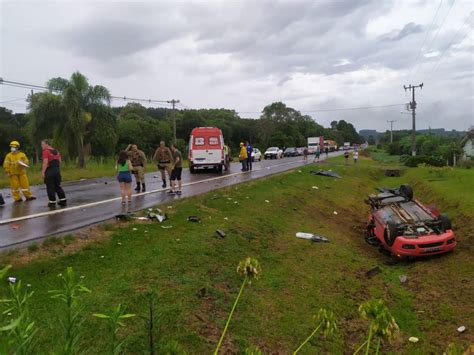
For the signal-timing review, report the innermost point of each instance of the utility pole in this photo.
(391, 130)
(174, 102)
(413, 115)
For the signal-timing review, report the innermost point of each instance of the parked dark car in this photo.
(290, 152)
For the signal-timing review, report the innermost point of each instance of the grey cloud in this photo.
(396, 35)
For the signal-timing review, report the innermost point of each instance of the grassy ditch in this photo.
(192, 272)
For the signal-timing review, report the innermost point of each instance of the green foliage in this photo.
(115, 321)
(72, 288)
(325, 320)
(21, 329)
(414, 161)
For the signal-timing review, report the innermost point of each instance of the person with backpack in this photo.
(124, 177)
(51, 173)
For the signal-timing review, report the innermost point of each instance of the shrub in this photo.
(413, 161)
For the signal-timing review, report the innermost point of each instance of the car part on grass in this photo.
(194, 219)
(220, 233)
(159, 217)
(325, 173)
(372, 272)
(312, 237)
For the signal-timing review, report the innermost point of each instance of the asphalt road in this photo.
(96, 200)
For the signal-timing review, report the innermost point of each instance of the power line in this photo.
(437, 32)
(44, 88)
(424, 40)
(337, 109)
(435, 66)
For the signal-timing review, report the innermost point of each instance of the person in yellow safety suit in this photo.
(14, 165)
(243, 156)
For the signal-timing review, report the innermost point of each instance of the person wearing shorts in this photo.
(164, 160)
(124, 169)
(177, 170)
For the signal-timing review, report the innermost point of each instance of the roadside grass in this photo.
(381, 156)
(95, 168)
(193, 271)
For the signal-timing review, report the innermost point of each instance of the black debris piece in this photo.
(372, 272)
(325, 173)
(194, 219)
(220, 233)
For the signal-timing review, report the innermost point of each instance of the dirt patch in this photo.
(59, 246)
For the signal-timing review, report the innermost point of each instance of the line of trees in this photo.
(81, 122)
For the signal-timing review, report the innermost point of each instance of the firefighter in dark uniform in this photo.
(138, 160)
(51, 172)
(164, 160)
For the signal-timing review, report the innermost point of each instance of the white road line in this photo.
(93, 204)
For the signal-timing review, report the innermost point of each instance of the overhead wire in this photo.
(424, 40)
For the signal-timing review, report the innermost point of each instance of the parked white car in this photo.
(256, 154)
(273, 153)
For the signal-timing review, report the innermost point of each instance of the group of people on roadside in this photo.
(245, 156)
(133, 161)
(15, 164)
(355, 156)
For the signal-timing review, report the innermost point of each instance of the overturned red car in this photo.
(406, 228)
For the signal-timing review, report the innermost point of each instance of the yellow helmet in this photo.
(15, 144)
(241, 144)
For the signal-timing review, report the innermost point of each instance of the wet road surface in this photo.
(95, 200)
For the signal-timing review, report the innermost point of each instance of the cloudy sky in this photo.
(316, 56)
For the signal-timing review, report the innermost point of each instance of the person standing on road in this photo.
(305, 153)
(249, 155)
(177, 170)
(164, 159)
(355, 156)
(243, 156)
(318, 154)
(124, 177)
(226, 157)
(138, 160)
(15, 165)
(51, 173)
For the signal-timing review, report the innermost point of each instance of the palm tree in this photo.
(79, 98)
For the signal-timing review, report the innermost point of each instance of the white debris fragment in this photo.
(226, 218)
(413, 340)
(462, 329)
(335, 212)
(166, 227)
(267, 201)
(119, 243)
(134, 229)
(102, 256)
(12, 280)
(315, 188)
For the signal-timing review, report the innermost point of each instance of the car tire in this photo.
(192, 170)
(390, 233)
(445, 221)
(406, 191)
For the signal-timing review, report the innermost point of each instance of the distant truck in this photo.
(331, 145)
(314, 143)
(347, 146)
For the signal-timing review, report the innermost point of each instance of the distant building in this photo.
(467, 144)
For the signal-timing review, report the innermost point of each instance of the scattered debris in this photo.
(106, 183)
(135, 229)
(328, 173)
(335, 212)
(229, 198)
(413, 339)
(166, 227)
(202, 292)
(220, 233)
(170, 207)
(226, 218)
(315, 188)
(12, 280)
(299, 171)
(123, 217)
(102, 256)
(159, 217)
(462, 329)
(372, 272)
(235, 202)
(403, 278)
(194, 219)
(15, 226)
(155, 176)
(312, 237)
(119, 243)
(141, 218)
(267, 201)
